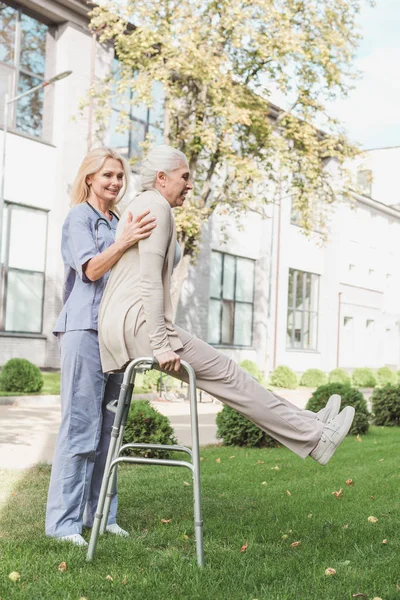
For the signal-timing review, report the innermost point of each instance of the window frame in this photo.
(16, 69)
(234, 301)
(291, 308)
(5, 270)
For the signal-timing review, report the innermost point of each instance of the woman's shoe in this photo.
(75, 539)
(333, 435)
(115, 529)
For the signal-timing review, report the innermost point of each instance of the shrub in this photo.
(313, 378)
(384, 375)
(398, 377)
(252, 369)
(20, 375)
(146, 425)
(235, 430)
(284, 377)
(363, 378)
(339, 376)
(386, 405)
(350, 397)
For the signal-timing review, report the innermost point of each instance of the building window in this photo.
(347, 321)
(132, 124)
(22, 66)
(231, 300)
(369, 323)
(302, 320)
(23, 269)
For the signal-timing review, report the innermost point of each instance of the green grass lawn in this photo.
(51, 385)
(246, 500)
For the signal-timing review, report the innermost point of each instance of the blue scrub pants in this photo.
(83, 437)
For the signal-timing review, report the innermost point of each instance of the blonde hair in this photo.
(161, 158)
(93, 162)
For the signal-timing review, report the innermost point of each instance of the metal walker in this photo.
(114, 458)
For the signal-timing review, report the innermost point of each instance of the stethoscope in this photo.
(101, 220)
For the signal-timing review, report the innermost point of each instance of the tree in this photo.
(217, 61)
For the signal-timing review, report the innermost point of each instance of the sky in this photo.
(371, 113)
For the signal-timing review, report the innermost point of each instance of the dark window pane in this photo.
(33, 45)
(214, 322)
(215, 274)
(229, 277)
(24, 300)
(289, 330)
(291, 288)
(298, 325)
(244, 280)
(227, 322)
(156, 135)
(299, 289)
(243, 324)
(8, 22)
(30, 108)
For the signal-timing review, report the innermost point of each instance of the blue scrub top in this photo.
(82, 297)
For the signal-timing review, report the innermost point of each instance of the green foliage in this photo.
(386, 405)
(216, 87)
(20, 375)
(252, 369)
(313, 378)
(363, 377)
(350, 397)
(146, 425)
(284, 377)
(235, 430)
(385, 375)
(339, 376)
(398, 377)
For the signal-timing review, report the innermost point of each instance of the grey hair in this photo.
(161, 158)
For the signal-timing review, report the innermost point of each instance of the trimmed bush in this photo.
(252, 369)
(398, 377)
(313, 378)
(363, 378)
(20, 375)
(384, 376)
(339, 376)
(386, 405)
(235, 430)
(146, 425)
(284, 377)
(350, 397)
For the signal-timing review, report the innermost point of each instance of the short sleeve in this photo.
(81, 243)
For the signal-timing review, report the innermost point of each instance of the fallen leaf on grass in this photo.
(372, 520)
(276, 468)
(185, 536)
(372, 497)
(288, 493)
(384, 542)
(264, 483)
(381, 460)
(349, 482)
(376, 598)
(62, 567)
(202, 458)
(338, 494)
(285, 536)
(295, 544)
(358, 438)
(232, 457)
(345, 526)
(83, 598)
(244, 547)
(14, 576)
(164, 521)
(109, 578)
(330, 571)
(309, 516)
(186, 483)
(260, 462)
(218, 460)
(359, 596)
(124, 581)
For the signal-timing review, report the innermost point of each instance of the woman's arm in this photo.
(136, 229)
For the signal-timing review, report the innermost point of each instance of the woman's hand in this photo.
(169, 361)
(136, 229)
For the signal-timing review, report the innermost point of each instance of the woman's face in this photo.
(176, 185)
(107, 182)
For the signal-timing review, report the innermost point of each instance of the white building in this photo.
(266, 293)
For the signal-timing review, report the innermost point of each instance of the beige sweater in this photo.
(139, 284)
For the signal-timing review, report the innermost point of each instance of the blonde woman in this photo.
(136, 320)
(89, 250)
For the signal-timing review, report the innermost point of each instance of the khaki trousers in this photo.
(221, 377)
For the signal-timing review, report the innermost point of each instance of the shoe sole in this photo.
(333, 409)
(330, 451)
